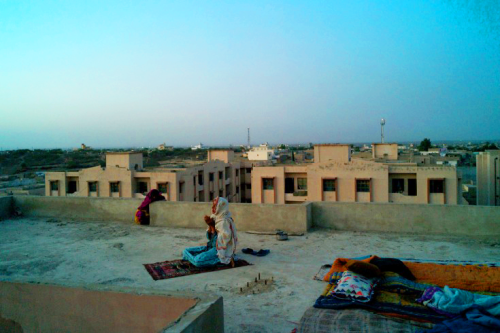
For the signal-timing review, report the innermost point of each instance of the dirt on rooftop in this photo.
(110, 253)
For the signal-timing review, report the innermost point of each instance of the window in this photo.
(268, 183)
(220, 175)
(237, 189)
(181, 187)
(289, 185)
(221, 193)
(249, 186)
(92, 186)
(211, 176)
(436, 186)
(302, 184)
(362, 185)
(412, 187)
(329, 185)
(72, 186)
(249, 170)
(200, 178)
(114, 187)
(398, 185)
(163, 188)
(211, 196)
(237, 172)
(228, 172)
(54, 185)
(142, 187)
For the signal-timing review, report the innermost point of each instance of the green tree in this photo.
(425, 145)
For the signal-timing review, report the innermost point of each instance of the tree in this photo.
(425, 145)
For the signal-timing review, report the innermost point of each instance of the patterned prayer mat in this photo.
(175, 268)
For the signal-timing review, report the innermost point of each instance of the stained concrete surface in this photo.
(114, 253)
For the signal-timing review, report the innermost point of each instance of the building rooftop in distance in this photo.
(113, 254)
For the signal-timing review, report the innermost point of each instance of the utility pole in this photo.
(382, 124)
(248, 139)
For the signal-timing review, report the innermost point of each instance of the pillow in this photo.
(366, 269)
(393, 265)
(354, 287)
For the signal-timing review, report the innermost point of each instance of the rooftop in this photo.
(109, 253)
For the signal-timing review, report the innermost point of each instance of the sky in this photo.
(140, 73)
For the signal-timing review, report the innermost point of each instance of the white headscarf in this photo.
(226, 230)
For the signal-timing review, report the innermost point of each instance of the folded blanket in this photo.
(455, 301)
(387, 303)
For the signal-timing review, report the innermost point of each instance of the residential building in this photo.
(260, 153)
(163, 146)
(125, 177)
(488, 178)
(336, 176)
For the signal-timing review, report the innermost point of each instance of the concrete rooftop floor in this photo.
(113, 253)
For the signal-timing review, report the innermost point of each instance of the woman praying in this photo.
(221, 235)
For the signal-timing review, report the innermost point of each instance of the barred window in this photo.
(54, 185)
(163, 188)
(268, 183)
(436, 186)
(302, 184)
(114, 187)
(329, 185)
(92, 186)
(398, 185)
(362, 185)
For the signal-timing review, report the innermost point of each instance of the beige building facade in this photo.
(336, 176)
(488, 178)
(125, 177)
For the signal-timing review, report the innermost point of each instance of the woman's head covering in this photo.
(220, 209)
(152, 196)
(226, 230)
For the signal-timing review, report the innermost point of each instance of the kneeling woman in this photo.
(222, 239)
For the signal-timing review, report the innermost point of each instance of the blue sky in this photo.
(130, 73)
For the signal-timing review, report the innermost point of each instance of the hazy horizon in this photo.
(114, 74)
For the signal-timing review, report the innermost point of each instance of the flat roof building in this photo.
(335, 176)
(125, 177)
(488, 178)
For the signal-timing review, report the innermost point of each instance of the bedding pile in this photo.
(445, 294)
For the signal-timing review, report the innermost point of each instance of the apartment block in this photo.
(336, 176)
(488, 178)
(125, 177)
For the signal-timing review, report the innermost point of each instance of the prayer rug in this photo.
(175, 268)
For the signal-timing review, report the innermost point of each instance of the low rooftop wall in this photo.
(408, 218)
(31, 308)
(248, 217)
(380, 217)
(5, 207)
(79, 208)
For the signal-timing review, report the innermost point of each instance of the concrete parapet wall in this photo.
(248, 217)
(5, 207)
(78, 208)
(30, 307)
(408, 218)
(381, 217)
